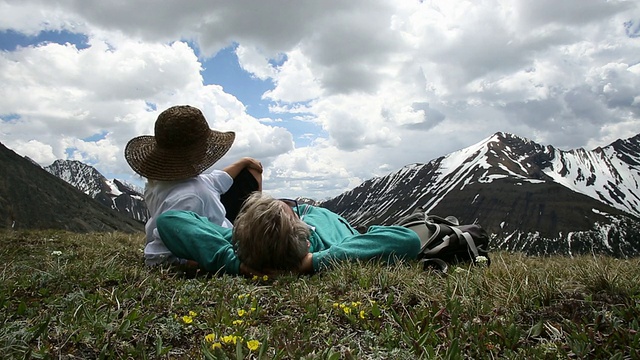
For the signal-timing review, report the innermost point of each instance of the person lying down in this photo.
(274, 235)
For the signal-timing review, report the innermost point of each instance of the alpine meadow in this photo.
(67, 295)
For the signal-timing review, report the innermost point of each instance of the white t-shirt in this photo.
(200, 194)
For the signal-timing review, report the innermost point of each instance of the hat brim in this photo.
(155, 163)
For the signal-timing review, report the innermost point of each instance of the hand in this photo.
(306, 266)
(190, 264)
(253, 164)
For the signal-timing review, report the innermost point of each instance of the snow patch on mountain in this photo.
(113, 188)
(600, 174)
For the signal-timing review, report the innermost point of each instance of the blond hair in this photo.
(265, 236)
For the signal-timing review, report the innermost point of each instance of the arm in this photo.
(333, 239)
(193, 237)
(253, 165)
(387, 243)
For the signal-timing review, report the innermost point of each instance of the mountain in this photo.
(114, 194)
(32, 198)
(531, 198)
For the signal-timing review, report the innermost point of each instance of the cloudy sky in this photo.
(327, 93)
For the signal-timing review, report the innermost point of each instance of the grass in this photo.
(66, 295)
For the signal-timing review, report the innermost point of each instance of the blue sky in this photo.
(325, 94)
(10, 39)
(249, 89)
(234, 80)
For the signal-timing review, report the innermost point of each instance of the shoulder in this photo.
(214, 174)
(315, 209)
(316, 213)
(217, 178)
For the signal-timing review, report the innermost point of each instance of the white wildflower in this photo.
(56, 253)
(482, 260)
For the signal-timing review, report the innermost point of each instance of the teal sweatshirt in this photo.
(332, 239)
(190, 236)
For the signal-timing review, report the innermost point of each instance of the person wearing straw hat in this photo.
(173, 161)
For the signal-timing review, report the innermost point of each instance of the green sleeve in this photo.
(387, 243)
(193, 237)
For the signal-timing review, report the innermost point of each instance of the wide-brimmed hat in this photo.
(183, 146)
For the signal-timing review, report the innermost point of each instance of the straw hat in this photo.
(183, 146)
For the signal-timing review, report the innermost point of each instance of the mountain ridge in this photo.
(523, 193)
(33, 198)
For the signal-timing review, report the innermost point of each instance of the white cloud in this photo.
(253, 61)
(294, 80)
(33, 17)
(387, 82)
(35, 150)
(103, 151)
(569, 12)
(313, 172)
(63, 95)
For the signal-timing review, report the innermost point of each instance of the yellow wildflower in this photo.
(241, 312)
(255, 277)
(336, 305)
(210, 338)
(253, 345)
(193, 313)
(361, 314)
(356, 303)
(254, 309)
(347, 310)
(187, 319)
(237, 322)
(265, 278)
(228, 339)
(216, 345)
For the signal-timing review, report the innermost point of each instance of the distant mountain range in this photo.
(32, 198)
(115, 194)
(531, 198)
